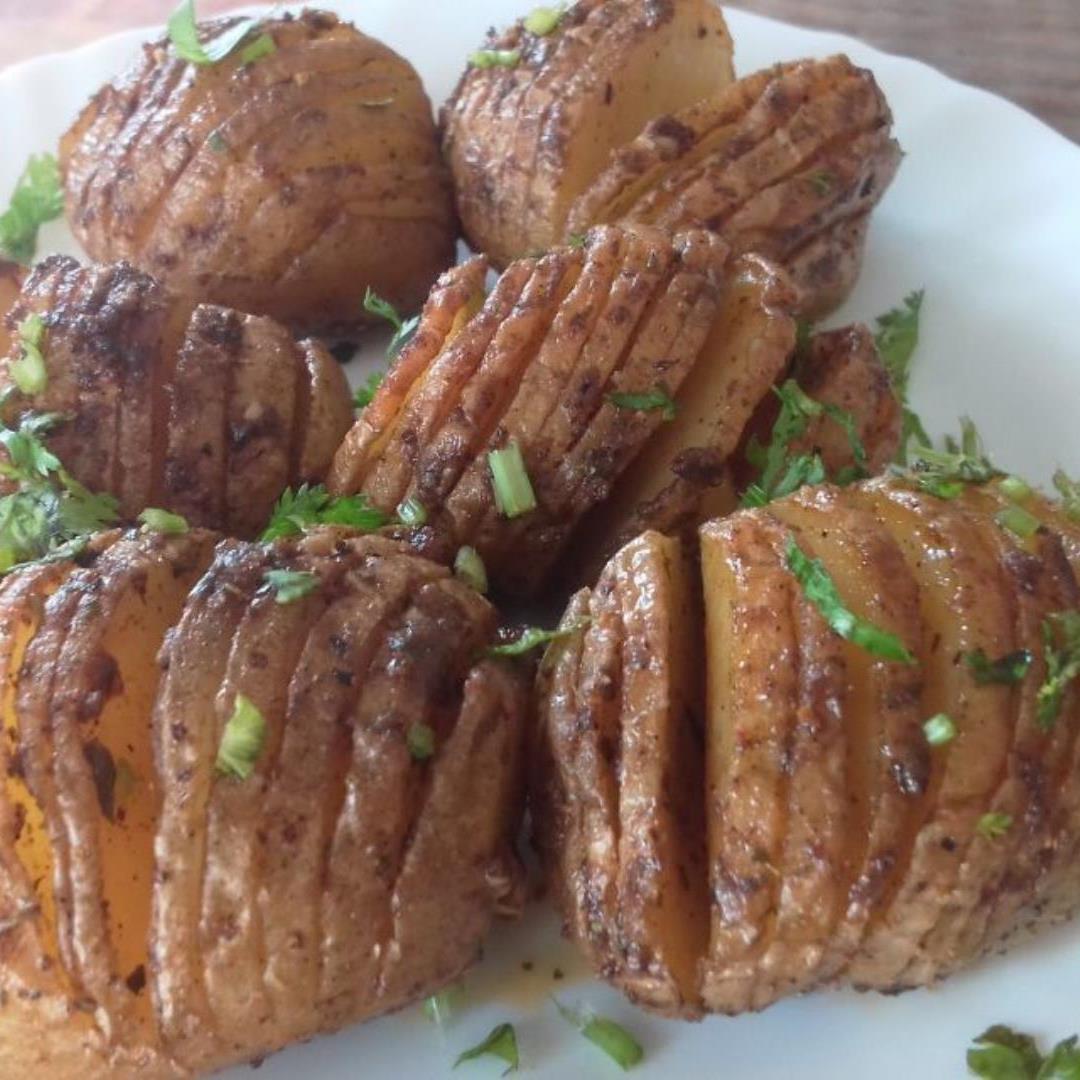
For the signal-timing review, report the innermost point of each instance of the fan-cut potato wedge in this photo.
(283, 187)
(848, 840)
(787, 163)
(11, 279)
(523, 140)
(203, 410)
(576, 358)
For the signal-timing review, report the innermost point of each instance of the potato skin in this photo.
(285, 187)
(201, 410)
(523, 141)
(11, 279)
(787, 162)
(843, 848)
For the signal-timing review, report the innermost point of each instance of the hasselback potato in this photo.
(281, 186)
(540, 107)
(162, 402)
(787, 162)
(625, 371)
(301, 816)
(841, 749)
(11, 278)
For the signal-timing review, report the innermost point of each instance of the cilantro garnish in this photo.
(362, 395)
(490, 58)
(28, 371)
(1069, 490)
(404, 329)
(291, 585)
(1000, 1053)
(500, 1043)
(242, 740)
(612, 1038)
(820, 589)
(783, 472)
(183, 29)
(38, 197)
(531, 638)
(896, 339)
(309, 506)
(1010, 668)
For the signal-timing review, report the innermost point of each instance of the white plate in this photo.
(985, 214)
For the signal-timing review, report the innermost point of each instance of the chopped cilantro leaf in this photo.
(1010, 668)
(500, 1043)
(183, 29)
(38, 197)
(612, 1038)
(291, 585)
(1061, 645)
(242, 740)
(645, 402)
(309, 506)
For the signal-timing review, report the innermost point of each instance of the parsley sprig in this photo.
(896, 338)
(1000, 1053)
(38, 197)
(782, 471)
(311, 505)
(49, 514)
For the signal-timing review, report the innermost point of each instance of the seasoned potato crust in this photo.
(842, 844)
(787, 163)
(524, 140)
(201, 410)
(283, 187)
(163, 917)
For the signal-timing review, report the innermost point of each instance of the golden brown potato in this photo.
(165, 916)
(283, 187)
(200, 410)
(11, 279)
(787, 163)
(526, 135)
(845, 841)
(631, 348)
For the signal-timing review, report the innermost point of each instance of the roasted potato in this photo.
(797, 822)
(282, 187)
(632, 347)
(11, 279)
(163, 916)
(535, 116)
(787, 163)
(201, 410)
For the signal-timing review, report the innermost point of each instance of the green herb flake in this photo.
(440, 1008)
(577, 239)
(1000, 1053)
(183, 30)
(945, 473)
(533, 637)
(492, 58)
(291, 585)
(1015, 488)
(309, 506)
(404, 329)
(469, 568)
(612, 1038)
(896, 339)
(820, 589)
(1018, 521)
(1069, 490)
(420, 739)
(38, 198)
(263, 45)
(510, 481)
(242, 740)
(656, 399)
(1007, 669)
(822, 182)
(216, 141)
(365, 393)
(1061, 645)
(994, 825)
(28, 371)
(411, 512)
(500, 1043)
(542, 21)
(153, 519)
(939, 730)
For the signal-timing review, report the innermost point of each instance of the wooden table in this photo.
(1026, 50)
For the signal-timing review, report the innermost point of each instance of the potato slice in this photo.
(682, 466)
(751, 650)
(787, 166)
(966, 605)
(11, 279)
(282, 188)
(523, 141)
(324, 414)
